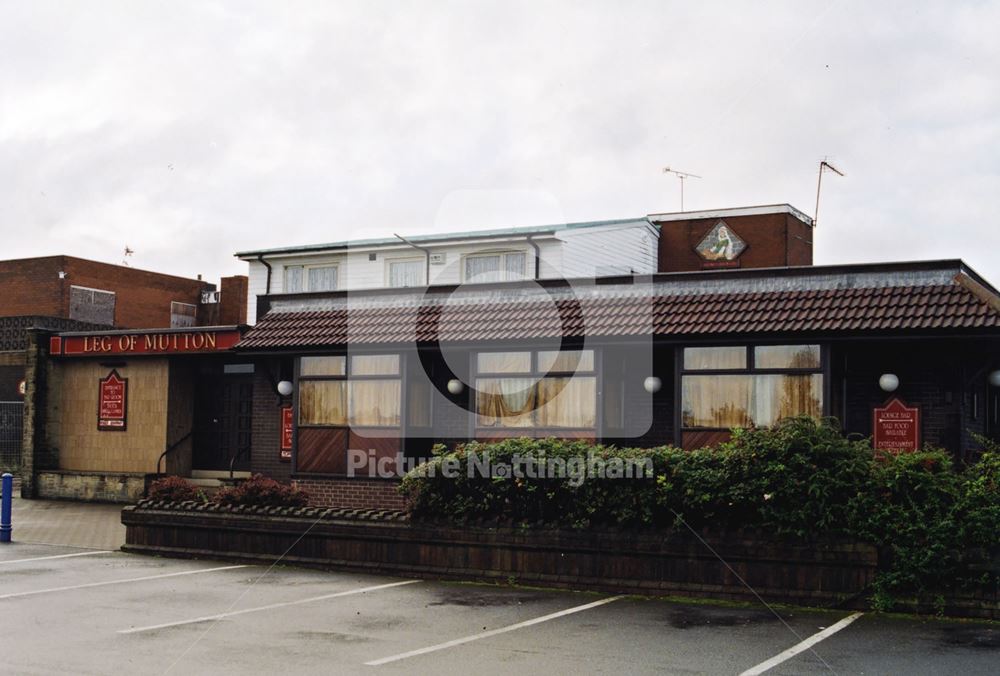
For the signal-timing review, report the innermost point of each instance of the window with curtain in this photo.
(406, 273)
(739, 386)
(364, 391)
(293, 279)
(549, 389)
(495, 267)
(322, 278)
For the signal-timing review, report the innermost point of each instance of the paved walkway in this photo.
(61, 522)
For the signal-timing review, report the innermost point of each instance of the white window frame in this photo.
(305, 276)
(404, 259)
(503, 253)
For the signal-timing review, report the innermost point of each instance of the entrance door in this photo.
(223, 417)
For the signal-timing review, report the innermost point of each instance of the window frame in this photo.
(502, 253)
(405, 259)
(749, 370)
(479, 431)
(305, 277)
(347, 377)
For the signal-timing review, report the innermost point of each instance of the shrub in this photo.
(174, 489)
(261, 491)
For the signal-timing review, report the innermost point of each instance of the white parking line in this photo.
(800, 647)
(492, 632)
(122, 581)
(219, 616)
(59, 556)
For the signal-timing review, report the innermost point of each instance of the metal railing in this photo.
(11, 433)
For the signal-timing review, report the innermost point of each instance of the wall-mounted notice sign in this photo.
(896, 427)
(286, 433)
(112, 403)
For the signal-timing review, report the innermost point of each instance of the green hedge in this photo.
(801, 479)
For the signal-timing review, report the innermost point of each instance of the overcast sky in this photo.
(191, 130)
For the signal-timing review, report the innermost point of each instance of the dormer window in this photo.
(495, 267)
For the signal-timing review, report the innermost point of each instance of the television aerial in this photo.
(681, 176)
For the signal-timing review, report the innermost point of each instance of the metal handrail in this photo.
(232, 462)
(170, 448)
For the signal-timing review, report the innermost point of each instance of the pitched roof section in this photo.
(900, 298)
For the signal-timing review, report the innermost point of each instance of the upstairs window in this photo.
(182, 315)
(406, 272)
(92, 305)
(495, 267)
(305, 278)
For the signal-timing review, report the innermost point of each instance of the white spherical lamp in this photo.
(456, 386)
(285, 388)
(652, 384)
(889, 382)
(994, 378)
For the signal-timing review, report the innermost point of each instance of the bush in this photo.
(800, 479)
(174, 489)
(261, 491)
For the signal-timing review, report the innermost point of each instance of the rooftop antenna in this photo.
(682, 176)
(823, 166)
(128, 252)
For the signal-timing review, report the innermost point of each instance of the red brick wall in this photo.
(32, 287)
(773, 240)
(355, 493)
(143, 298)
(233, 300)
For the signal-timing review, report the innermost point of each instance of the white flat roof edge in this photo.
(735, 211)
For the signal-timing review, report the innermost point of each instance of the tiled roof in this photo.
(960, 303)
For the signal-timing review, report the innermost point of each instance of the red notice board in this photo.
(286, 433)
(896, 427)
(112, 403)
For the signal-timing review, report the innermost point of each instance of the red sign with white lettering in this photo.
(896, 427)
(286, 433)
(149, 343)
(112, 403)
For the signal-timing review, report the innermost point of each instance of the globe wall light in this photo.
(456, 386)
(652, 384)
(994, 378)
(285, 388)
(889, 382)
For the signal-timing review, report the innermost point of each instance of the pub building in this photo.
(734, 327)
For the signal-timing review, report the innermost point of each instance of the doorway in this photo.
(223, 419)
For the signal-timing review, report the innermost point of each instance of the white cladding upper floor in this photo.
(580, 250)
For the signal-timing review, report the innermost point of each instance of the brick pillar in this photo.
(34, 408)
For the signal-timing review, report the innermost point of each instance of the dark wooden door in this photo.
(223, 421)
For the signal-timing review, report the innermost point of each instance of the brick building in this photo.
(338, 390)
(65, 293)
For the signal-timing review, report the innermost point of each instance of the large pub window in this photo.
(739, 386)
(364, 392)
(541, 389)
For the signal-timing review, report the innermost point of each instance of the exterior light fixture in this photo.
(456, 386)
(285, 388)
(994, 378)
(888, 382)
(652, 384)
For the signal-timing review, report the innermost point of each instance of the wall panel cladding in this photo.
(91, 487)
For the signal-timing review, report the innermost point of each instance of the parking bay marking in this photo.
(59, 556)
(219, 616)
(492, 632)
(801, 647)
(121, 581)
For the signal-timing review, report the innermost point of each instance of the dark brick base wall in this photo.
(355, 493)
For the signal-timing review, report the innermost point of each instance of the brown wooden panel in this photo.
(386, 442)
(694, 439)
(322, 450)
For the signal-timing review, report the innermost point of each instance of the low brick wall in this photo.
(354, 492)
(383, 542)
(90, 486)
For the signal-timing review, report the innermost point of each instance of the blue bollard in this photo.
(8, 494)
